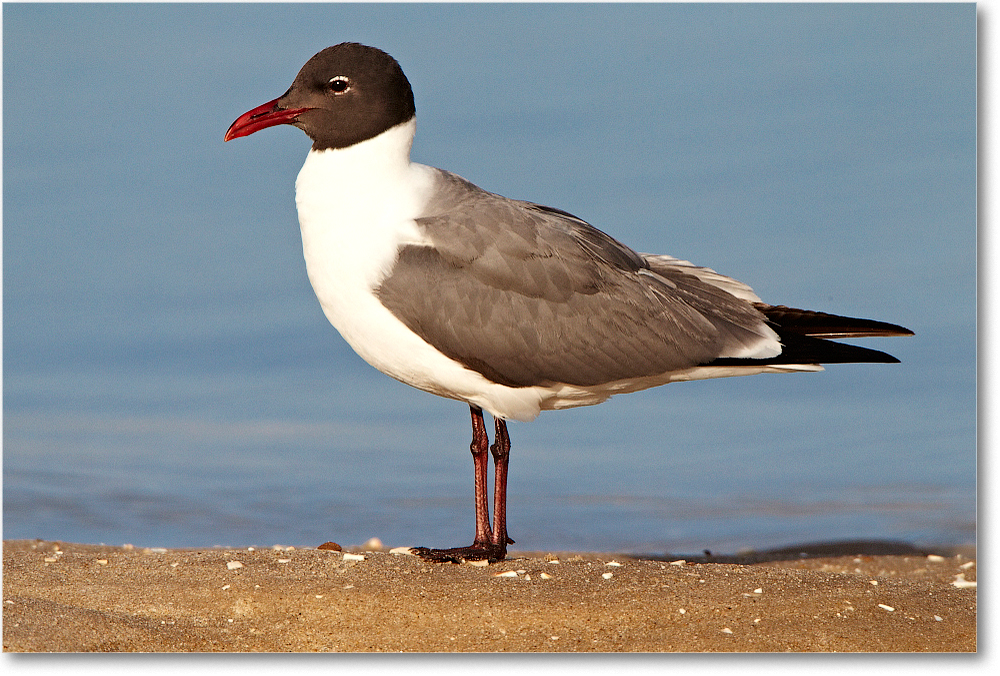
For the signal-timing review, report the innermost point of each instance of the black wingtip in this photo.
(886, 358)
(799, 349)
(825, 325)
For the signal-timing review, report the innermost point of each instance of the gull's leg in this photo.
(501, 454)
(486, 546)
(479, 447)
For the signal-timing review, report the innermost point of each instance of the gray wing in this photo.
(528, 295)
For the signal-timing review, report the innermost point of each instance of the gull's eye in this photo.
(339, 84)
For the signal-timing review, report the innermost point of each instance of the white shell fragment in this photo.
(607, 576)
(613, 563)
(506, 573)
(233, 565)
(935, 558)
(885, 607)
(402, 551)
(960, 582)
(545, 576)
(481, 563)
(678, 562)
(354, 557)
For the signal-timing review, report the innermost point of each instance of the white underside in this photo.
(356, 208)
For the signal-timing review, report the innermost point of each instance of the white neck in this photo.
(365, 195)
(343, 171)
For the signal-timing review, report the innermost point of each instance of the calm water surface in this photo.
(169, 379)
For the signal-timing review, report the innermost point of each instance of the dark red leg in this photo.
(480, 445)
(501, 454)
(490, 544)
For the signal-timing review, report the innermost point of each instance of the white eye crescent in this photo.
(339, 84)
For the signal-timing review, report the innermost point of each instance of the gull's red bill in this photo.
(262, 117)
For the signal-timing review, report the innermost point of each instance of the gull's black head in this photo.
(344, 95)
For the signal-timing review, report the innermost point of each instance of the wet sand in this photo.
(846, 597)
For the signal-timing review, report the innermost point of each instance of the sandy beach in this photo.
(867, 597)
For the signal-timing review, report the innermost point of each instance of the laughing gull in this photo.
(509, 306)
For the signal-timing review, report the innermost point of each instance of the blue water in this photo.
(169, 379)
